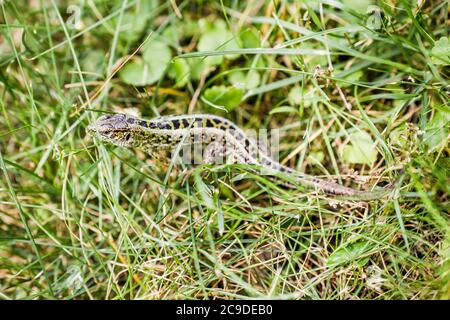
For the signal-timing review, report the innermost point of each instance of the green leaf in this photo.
(204, 191)
(134, 21)
(295, 96)
(171, 35)
(246, 81)
(350, 253)
(237, 79)
(156, 52)
(298, 96)
(180, 71)
(440, 53)
(190, 27)
(249, 39)
(137, 73)
(33, 39)
(222, 97)
(362, 149)
(157, 56)
(198, 66)
(217, 38)
(211, 40)
(437, 130)
(155, 59)
(132, 26)
(220, 217)
(252, 79)
(93, 63)
(316, 157)
(359, 6)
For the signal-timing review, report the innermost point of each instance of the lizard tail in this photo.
(338, 191)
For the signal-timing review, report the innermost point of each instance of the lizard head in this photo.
(116, 129)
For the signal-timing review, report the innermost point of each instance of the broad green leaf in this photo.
(171, 35)
(204, 191)
(190, 27)
(93, 63)
(134, 20)
(237, 79)
(437, 130)
(249, 39)
(137, 73)
(157, 51)
(146, 7)
(295, 96)
(316, 157)
(223, 97)
(34, 40)
(252, 79)
(178, 30)
(361, 150)
(350, 253)
(132, 26)
(180, 71)
(217, 38)
(359, 6)
(246, 81)
(440, 53)
(157, 56)
(198, 66)
(298, 96)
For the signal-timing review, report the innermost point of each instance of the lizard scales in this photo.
(169, 131)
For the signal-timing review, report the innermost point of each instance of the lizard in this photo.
(223, 137)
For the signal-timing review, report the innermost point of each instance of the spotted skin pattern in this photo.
(225, 138)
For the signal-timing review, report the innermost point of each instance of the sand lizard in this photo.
(224, 139)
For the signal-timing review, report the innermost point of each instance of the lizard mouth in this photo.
(101, 128)
(108, 123)
(91, 129)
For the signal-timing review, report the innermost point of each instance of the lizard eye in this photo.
(127, 136)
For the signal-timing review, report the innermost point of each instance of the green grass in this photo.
(84, 220)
